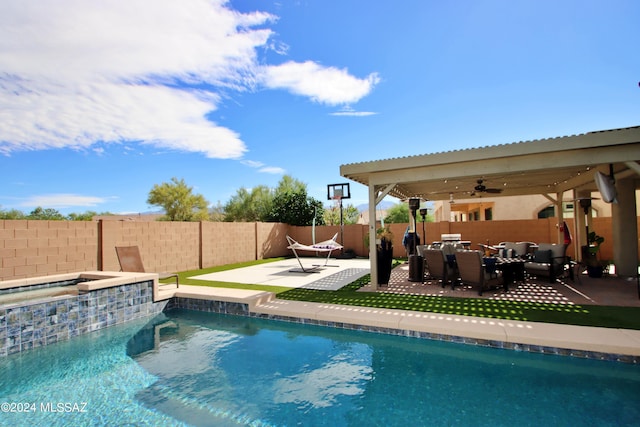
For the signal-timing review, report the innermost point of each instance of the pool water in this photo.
(203, 369)
(43, 291)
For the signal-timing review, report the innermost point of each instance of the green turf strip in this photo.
(584, 315)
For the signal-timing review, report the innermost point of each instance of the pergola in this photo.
(549, 167)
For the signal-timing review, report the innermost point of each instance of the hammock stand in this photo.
(325, 246)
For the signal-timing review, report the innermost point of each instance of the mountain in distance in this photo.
(382, 206)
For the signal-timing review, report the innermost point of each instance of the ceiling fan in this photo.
(481, 188)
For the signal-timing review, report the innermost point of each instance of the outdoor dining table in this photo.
(532, 246)
(512, 269)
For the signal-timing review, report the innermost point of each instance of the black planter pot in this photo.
(595, 271)
(590, 257)
(416, 268)
(384, 262)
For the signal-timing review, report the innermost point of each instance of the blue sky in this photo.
(99, 101)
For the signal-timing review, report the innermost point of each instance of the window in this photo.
(548, 212)
(488, 214)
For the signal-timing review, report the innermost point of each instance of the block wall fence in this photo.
(39, 248)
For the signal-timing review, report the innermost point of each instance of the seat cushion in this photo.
(537, 267)
(490, 265)
(521, 249)
(542, 256)
(506, 253)
(451, 261)
(557, 252)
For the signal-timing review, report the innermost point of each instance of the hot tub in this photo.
(38, 311)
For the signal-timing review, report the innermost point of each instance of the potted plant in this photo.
(384, 248)
(382, 232)
(594, 265)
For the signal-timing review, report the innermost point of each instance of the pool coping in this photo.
(579, 341)
(99, 279)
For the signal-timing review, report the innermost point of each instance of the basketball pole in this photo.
(339, 192)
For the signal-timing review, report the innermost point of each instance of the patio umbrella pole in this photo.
(585, 203)
(423, 213)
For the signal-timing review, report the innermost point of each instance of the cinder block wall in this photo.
(270, 240)
(228, 242)
(304, 235)
(37, 248)
(535, 230)
(164, 246)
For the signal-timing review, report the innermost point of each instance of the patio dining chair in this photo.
(131, 261)
(549, 260)
(439, 267)
(473, 271)
(513, 250)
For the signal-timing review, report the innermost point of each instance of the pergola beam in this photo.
(634, 166)
(383, 193)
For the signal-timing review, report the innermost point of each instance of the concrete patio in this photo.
(608, 290)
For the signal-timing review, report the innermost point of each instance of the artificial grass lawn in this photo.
(584, 315)
(184, 277)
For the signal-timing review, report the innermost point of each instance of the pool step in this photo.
(192, 411)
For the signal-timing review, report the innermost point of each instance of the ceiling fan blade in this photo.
(481, 188)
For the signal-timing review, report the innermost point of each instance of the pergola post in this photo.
(560, 216)
(625, 229)
(373, 253)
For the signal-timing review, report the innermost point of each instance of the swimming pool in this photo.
(192, 368)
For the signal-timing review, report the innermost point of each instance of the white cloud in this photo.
(326, 85)
(353, 113)
(272, 170)
(348, 111)
(278, 47)
(252, 163)
(57, 201)
(75, 73)
(81, 115)
(262, 168)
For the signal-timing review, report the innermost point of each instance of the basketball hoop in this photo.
(337, 198)
(338, 191)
